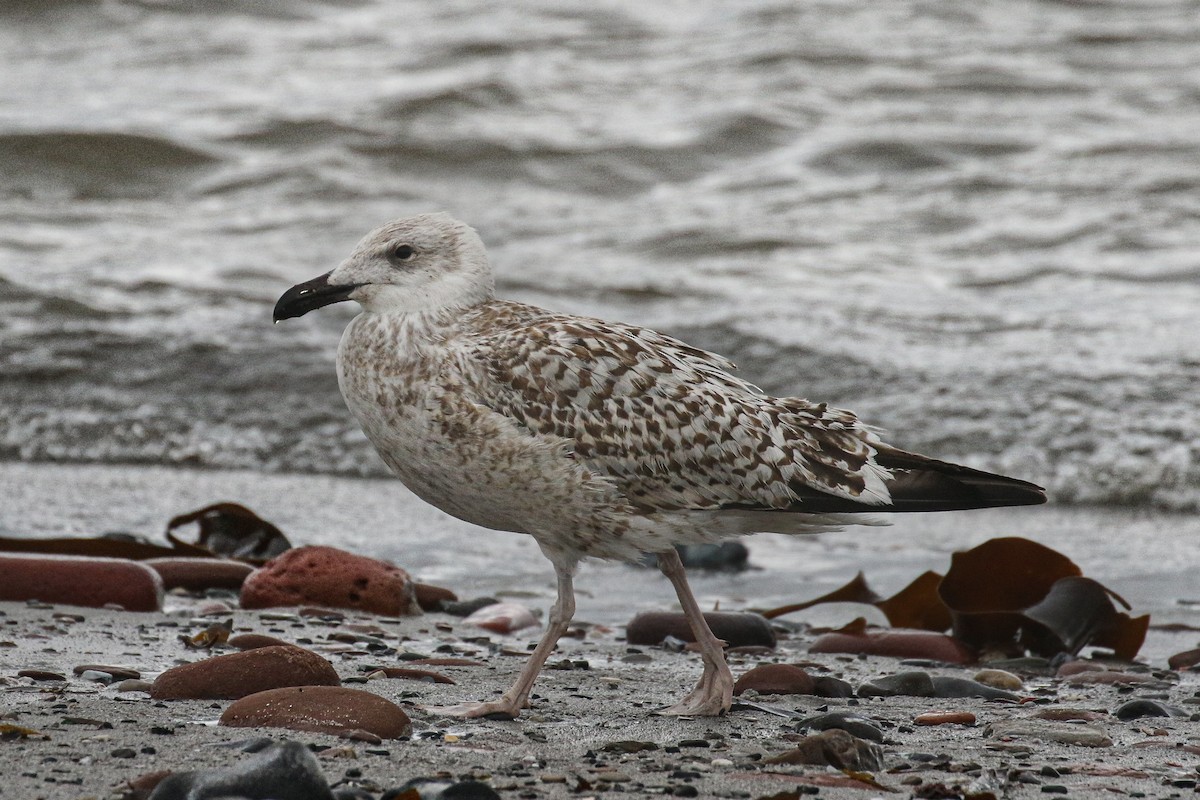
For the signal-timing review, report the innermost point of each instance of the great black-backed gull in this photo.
(596, 438)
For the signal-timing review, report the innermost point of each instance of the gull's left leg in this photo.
(517, 697)
(714, 694)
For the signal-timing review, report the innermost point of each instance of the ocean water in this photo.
(978, 225)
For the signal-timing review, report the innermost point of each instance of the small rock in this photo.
(834, 748)
(909, 684)
(431, 598)
(441, 789)
(735, 629)
(80, 581)
(465, 608)
(198, 574)
(1061, 714)
(283, 771)
(775, 679)
(945, 718)
(999, 679)
(114, 673)
(1109, 677)
(628, 746)
(41, 675)
(896, 642)
(133, 685)
(325, 576)
(414, 674)
(95, 676)
(124, 752)
(854, 724)
(253, 641)
(1185, 660)
(952, 686)
(235, 675)
(323, 709)
(502, 618)
(1061, 732)
(1136, 709)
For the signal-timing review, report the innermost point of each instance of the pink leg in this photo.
(714, 694)
(517, 697)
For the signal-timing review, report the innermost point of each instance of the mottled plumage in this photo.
(596, 438)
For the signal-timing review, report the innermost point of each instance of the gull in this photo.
(598, 439)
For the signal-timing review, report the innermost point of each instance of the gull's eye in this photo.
(401, 252)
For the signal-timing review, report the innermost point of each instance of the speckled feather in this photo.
(666, 421)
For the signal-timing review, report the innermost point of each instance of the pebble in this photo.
(440, 789)
(898, 643)
(283, 771)
(465, 608)
(829, 686)
(1061, 732)
(198, 574)
(945, 718)
(999, 679)
(775, 679)
(235, 675)
(325, 709)
(735, 629)
(953, 686)
(253, 641)
(502, 618)
(114, 673)
(1185, 660)
(909, 684)
(857, 725)
(40, 675)
(133, 685)
(413, 674)
(326, 576)
(80, 581)
(834, 748)
(1136, 709)
(1110, 677)
(1062, 714)
(431, 598)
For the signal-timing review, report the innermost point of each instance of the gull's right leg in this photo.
(517, 697)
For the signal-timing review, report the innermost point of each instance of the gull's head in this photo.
(421, 263)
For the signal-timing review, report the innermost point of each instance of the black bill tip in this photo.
(305, 297)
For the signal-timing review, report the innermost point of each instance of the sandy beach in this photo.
(569, 743)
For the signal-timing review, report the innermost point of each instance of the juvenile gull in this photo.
(596, 438)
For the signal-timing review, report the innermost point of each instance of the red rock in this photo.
(326, 576)
(775, 679)
(41, 675)
(198, 574)
(898, 643)
(253, 641)
(1185, 660)
(323, 709)
(430, 597)
(736, 629)
(502, 618)
(945, 718)
(414, 674)
(235, 675)
(80, 581)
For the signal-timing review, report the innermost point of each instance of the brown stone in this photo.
(326, 576)
(322, 709)
(736, 629)
(235, 675)
(253, 641)
(896, 643)
(430, 597)
(198, 574)
(945, 718)
(1185, 660)
(775, 679)
(80, 581)
(415, 674)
